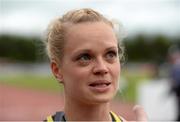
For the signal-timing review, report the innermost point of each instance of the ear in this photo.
(56, 71)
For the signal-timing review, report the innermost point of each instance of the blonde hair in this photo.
(57, 29)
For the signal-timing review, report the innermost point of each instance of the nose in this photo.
(100, 67)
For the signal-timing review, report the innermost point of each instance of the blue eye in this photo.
(111, 55)
(84, 57)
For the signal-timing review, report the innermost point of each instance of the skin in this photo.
(94, 45)
(90, 55)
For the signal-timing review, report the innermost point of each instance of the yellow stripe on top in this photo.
(116, 117)
(49, 119)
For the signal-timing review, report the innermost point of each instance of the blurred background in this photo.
(28, 91)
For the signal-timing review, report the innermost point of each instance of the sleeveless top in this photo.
(60, 117)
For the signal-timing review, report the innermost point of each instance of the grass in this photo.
(133, 80)
(32, 81)
(48, 83)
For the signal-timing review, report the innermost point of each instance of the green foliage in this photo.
(20, 48)
(148, 49)
(140, 48)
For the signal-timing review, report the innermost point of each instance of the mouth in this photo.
(100, 86)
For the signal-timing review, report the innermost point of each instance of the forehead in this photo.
(89, 33)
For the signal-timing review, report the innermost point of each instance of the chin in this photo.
(99, 98)
(102, 99)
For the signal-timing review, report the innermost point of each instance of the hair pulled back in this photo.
(57, 30)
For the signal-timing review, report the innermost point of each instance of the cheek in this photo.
(71, 80)
(75, 76)
(116, 76)
(116, 70)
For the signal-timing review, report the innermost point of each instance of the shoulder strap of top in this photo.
(49, 119)
(58, 117)
(115, 118)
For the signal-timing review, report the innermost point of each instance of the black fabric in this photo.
(59, 116)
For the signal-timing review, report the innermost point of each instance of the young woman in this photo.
(85, 57)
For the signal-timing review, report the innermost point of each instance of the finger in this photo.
(140, 113)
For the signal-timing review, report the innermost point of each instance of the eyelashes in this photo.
(111, 54)
(84, 59)
(84, 56)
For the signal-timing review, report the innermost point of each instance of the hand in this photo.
(140, 113)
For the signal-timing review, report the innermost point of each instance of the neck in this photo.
(76, 111)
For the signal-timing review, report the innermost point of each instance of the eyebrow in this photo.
(110, 48)
(88, 50)
(82, 51)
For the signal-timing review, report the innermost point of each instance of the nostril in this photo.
(100, 67)
(100, 72)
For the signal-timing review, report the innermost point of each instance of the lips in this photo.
(100, 85)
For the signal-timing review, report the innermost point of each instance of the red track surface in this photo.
(19, 104)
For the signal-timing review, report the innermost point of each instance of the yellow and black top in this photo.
(60, 117)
